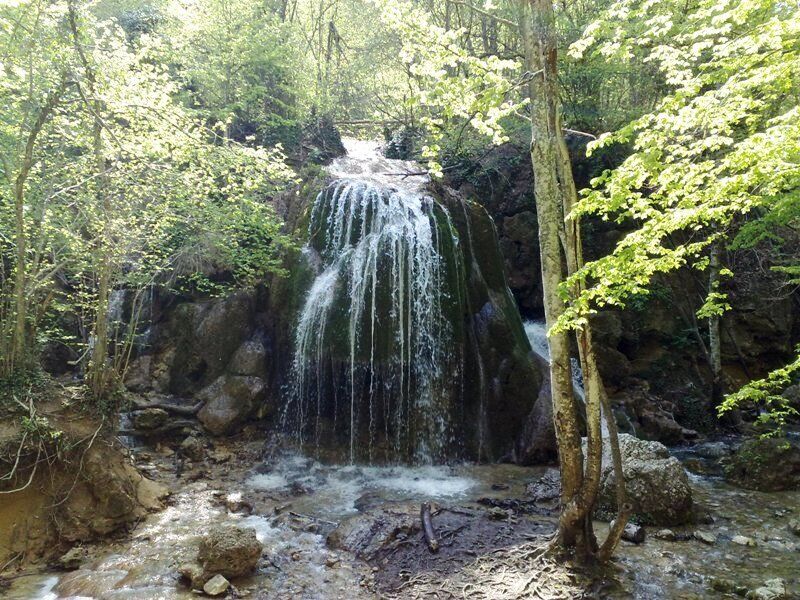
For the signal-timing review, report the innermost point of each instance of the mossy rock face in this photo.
(489, 382)
(765, 464)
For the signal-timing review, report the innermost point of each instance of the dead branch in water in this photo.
(427, 527)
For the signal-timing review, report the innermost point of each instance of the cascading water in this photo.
(373, 352)
(537, 336)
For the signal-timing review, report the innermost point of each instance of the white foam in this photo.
(268, 482)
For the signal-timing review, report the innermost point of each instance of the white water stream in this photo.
(374, 235)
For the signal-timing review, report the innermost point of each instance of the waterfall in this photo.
(537, 336)
(373, 349)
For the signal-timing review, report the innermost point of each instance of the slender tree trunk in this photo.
(539, 41)
(98, 367)
(19, 342)
(714, 334)
(562, 255)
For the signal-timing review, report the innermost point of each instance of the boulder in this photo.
(656, 483)
(73, 558)
(366, 534)
(249, 359)
(192, 448)
(229, 551)
(229, 401)
(150, 418)
(765, 464)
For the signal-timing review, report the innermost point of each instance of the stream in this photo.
(300, 565)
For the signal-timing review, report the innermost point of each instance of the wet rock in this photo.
(773, 589)
(665, 534)
(743, 540)
(547, 488)
(656, 483)
(765, 464)
(150, 418)
(137, 375)
(192, 448)
(367, 534)
(712, 450)
(216, 586)
(72, 559)
(229, 400)
(229, 551)
(193, 574)
(706, 537)
(496, 513)
(249, 359)
(727, 586)
(367, 501)
(794, 526)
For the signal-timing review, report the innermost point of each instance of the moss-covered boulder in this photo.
(765, 464)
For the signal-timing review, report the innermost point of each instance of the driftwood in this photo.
(158, 431)
(631, 532)
(427, 527)
(186, 411)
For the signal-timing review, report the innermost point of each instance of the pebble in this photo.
(743, 540)
(665, 534)
(706, 537)
(216, 586)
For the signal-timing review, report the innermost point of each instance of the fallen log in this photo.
(169, 427)
(427, 527)
(185, 411)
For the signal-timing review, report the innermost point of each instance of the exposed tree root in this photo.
(529, 570)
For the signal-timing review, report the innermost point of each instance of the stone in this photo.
(193, 573)
(547, 488)
(743, 540)
(706, 537)
(656, 483)
(497, 514)
(229, 401)
(765, 464)
(773, 589)
(229, 551)
(665, 534)
(216, 586)
(137, 375)
(192, 448)
(150, 418)
(249, 359)
(794, 526)
(73, 558)
(366, 534)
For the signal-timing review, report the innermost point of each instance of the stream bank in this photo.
(353, 532)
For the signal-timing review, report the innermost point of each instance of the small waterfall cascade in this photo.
(374, 352)
(537, 336)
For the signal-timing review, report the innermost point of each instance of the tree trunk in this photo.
(560, 246)
(714, 336)
(19, 346)
(98, 367)
(539, 40)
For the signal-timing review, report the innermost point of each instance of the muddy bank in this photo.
(66, 480)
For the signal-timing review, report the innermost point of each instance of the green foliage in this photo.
(129, 187)
(766, 394)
